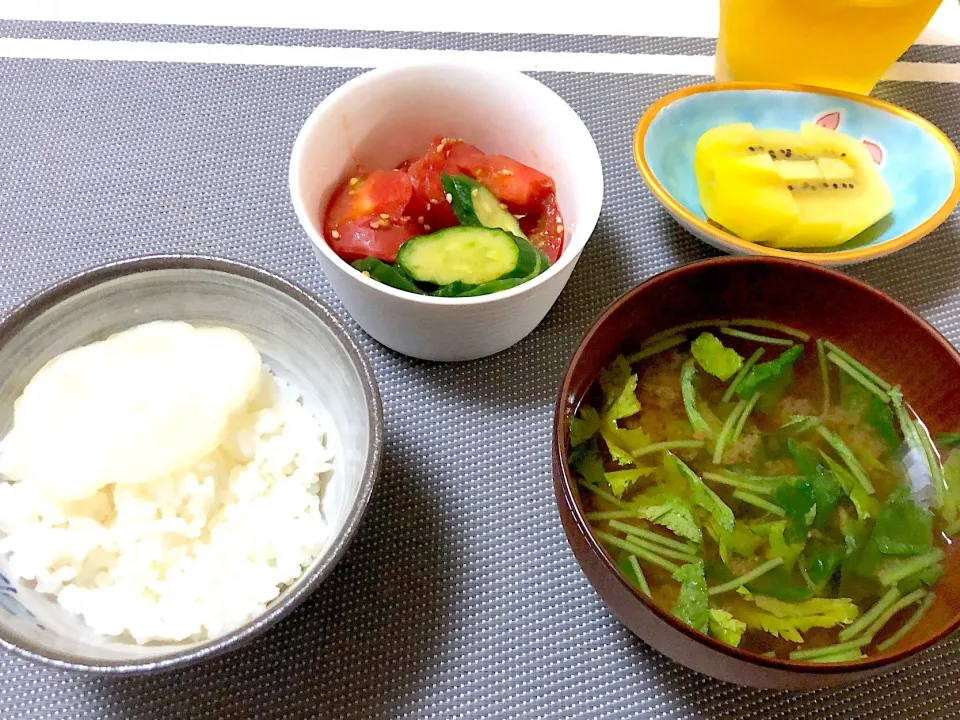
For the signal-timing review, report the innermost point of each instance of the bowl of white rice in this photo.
(113, 557)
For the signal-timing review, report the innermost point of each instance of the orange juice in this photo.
(842, 44)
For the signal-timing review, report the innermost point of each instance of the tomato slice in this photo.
(457, 152)
(544, 228)
(381, 191)
(367, 216)
(371, 236)
(519, 186)
(429, 198)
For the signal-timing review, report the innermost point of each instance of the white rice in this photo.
(190, 556)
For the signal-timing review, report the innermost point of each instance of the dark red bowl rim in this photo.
(568, 481)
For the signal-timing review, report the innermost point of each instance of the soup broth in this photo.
(766, 489)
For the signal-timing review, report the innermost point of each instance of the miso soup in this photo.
(767, 489)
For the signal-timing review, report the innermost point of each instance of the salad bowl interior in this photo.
(391, 114)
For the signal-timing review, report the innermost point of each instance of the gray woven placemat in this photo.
(460, 598)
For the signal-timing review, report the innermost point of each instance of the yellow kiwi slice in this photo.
(815, 188)
(766, 211)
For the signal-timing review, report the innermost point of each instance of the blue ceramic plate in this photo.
(919, 163)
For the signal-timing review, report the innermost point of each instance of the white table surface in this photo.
(677, 18)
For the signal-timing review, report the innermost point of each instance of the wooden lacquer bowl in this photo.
(876, 329)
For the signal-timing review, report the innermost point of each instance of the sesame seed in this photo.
(365, 272)
(335, 235)
(427, 228)
(375, 224)
(559, 228)
(449, 198)
(405, 218)
(351, 192)
(474, 192)
(420, 219)
(354, 181)
(385, 216)
(506, 173)
(440, 147)
(503, 206)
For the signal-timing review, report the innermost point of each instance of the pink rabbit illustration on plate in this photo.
(831, 121)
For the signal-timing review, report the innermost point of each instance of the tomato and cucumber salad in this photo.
(453, 222)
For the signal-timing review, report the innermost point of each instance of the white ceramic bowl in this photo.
(298, 336)
(388, 115)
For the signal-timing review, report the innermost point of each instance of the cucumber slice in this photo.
(529, 254)
(493, 286)
(454, 289)
(476, 206)
(387, 274)
(544, 261)
(530, 260)
(472, 255)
